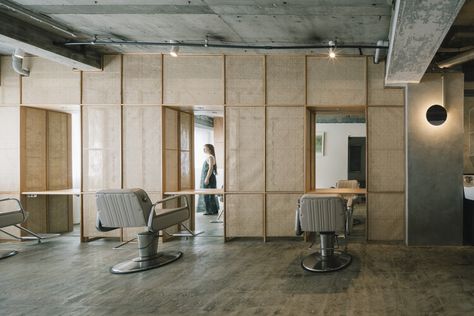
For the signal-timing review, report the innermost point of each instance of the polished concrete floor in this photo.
(240, 277)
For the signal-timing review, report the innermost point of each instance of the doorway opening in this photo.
(209, 209)
(339, 153)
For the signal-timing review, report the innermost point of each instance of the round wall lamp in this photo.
(436, 115)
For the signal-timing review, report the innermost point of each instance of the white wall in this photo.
(332, 166)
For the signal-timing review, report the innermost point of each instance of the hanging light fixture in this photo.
(174, 49)
(332, 49)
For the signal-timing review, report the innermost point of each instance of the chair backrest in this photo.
(347, 184)
(322, 213)
(123, 207)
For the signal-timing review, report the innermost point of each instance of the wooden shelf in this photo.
(338, 191)
(197, 191)
(54, 192)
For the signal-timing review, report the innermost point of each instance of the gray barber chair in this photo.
(133, 208)
(326, 215)
(14, 217)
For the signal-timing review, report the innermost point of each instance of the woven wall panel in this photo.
(244, 215)
(245, 80)
(285, 80)
(9, 83)
(142, 79)
(171, 171)
(378, 94)
(337, 82)
(50, 83)
(142, 147)
(171, 129)
(34, 146)
(280, 219)
(285, 149)
(101, 127)
(10, 149)
(59, 218)
(245, 151)
(186, 126)
(103, 87)
(89, 219)
(193, 80)
(59, 169)
(386, 216)
(218, 141)
(186, 180)
(386, 160)
(37, 213)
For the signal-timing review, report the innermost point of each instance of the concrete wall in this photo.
(435, 163)
(332, 166)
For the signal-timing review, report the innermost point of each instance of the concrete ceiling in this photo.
(260, 22)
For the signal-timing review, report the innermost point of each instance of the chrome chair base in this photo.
(315, 262)
(7, 253)
(142, 264)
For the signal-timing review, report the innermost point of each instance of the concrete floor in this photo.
(240, 277)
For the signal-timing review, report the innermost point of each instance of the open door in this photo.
(356, 160)
(178, 158)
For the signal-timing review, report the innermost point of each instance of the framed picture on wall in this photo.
(320, 143)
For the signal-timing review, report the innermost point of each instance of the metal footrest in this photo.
(142, 264)
(7, 253)
(317, 263)
(40, 236)
(186, 233)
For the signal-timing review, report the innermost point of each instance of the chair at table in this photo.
(133, 208)
(14, 217)
(326, 215)
(350, 198)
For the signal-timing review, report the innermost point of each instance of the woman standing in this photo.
(208, 180)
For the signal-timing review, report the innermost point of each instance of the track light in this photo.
(174, 49)
(332, 49)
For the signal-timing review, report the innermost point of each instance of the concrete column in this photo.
(435, 162)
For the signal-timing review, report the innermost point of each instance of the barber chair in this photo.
(133, 208)
(14, 218)
(351, 200)
(326, 215)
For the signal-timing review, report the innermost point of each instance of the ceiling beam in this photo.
(417, 31)
(36, 41)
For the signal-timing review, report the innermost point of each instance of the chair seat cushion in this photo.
(165, 218)
(10, 218)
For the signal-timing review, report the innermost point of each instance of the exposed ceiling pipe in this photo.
(456, 60)
(380, 43)
(207, 44)
(17, 62)
(10, 5)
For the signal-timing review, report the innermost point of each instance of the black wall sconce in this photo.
(436, 115)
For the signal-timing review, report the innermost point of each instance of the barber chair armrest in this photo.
(99, 227)
(152, 214)
(20, 207)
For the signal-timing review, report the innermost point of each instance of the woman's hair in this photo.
(210, 147)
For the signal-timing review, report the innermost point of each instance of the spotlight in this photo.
(174, 49)
(332, 49)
